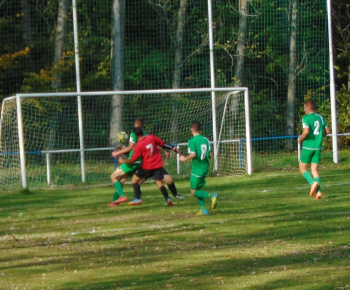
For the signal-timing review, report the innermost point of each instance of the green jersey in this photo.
(201, 146)
(316, 123)
(133, 139)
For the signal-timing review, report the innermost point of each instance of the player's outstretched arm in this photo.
(187, 158)
(327, 131)
(171, 147)
(124, 150)
(166, 153)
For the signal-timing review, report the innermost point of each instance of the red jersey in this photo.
(146, 147)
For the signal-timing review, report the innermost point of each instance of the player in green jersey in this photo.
(199, 152)
(124, 171)
(314, 128)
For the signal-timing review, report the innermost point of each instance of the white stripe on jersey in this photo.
(321, 118)
(198, 175)
(314, 149)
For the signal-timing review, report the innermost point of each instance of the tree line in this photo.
(278, 49)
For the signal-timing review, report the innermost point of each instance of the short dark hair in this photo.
(139, 121)
(196, 125)
(138, 131)
(311, 104)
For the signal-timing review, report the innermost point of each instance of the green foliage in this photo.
(343, 109)
(153, 72)
(150, 45)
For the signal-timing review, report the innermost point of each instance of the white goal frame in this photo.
(229, 90)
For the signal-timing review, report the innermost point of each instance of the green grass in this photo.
(266, 233)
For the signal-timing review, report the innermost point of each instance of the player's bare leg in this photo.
(169, 181)
(314, 170)
(117, 174)
(303, 167)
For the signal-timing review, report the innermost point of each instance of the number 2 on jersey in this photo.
(317, 128)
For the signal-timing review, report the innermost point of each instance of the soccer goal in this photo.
(60, 139)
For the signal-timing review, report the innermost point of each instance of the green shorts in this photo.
(129, 169)
(197, 182)
(310, 156)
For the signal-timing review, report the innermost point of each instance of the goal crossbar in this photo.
(144, 92)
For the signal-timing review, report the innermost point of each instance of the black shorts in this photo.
(156, 174)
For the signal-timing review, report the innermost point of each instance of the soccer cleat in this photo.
(203, 211)
(135, 202)
(313, 188)
(179, 196)
(214, 200)
(169, 202)
(318, 195)
(112, 204)
(121, 199)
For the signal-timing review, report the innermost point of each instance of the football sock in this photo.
(201, 202)
(173, 189)
(119, 187)
(137, 190)
(164, 192)
(318, 180)
(115, 196)
(201, 193)
(308, 177)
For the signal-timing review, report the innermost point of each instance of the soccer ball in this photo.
(123, 137)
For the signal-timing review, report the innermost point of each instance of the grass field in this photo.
(266, 233)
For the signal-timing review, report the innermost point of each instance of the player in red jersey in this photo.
(152, 164)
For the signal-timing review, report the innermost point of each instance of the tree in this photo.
(242, 35)
(181, 19)
(179, 44)
(26, 26)
(292, 74)
(240, 51)
(61, 25)
(117, 55)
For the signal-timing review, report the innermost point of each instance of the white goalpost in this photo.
(41, 133)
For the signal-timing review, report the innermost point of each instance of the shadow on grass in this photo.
(266, 233)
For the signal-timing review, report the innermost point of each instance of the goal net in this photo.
(63, 139)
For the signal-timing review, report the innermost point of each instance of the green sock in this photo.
(119, 188)
(201, 193)
(308, 177)
(115, 196)
(318, 180)
(201, 202)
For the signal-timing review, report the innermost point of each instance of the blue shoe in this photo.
(203, 211)
(135, 202)
(169, 202)
(214, 200)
